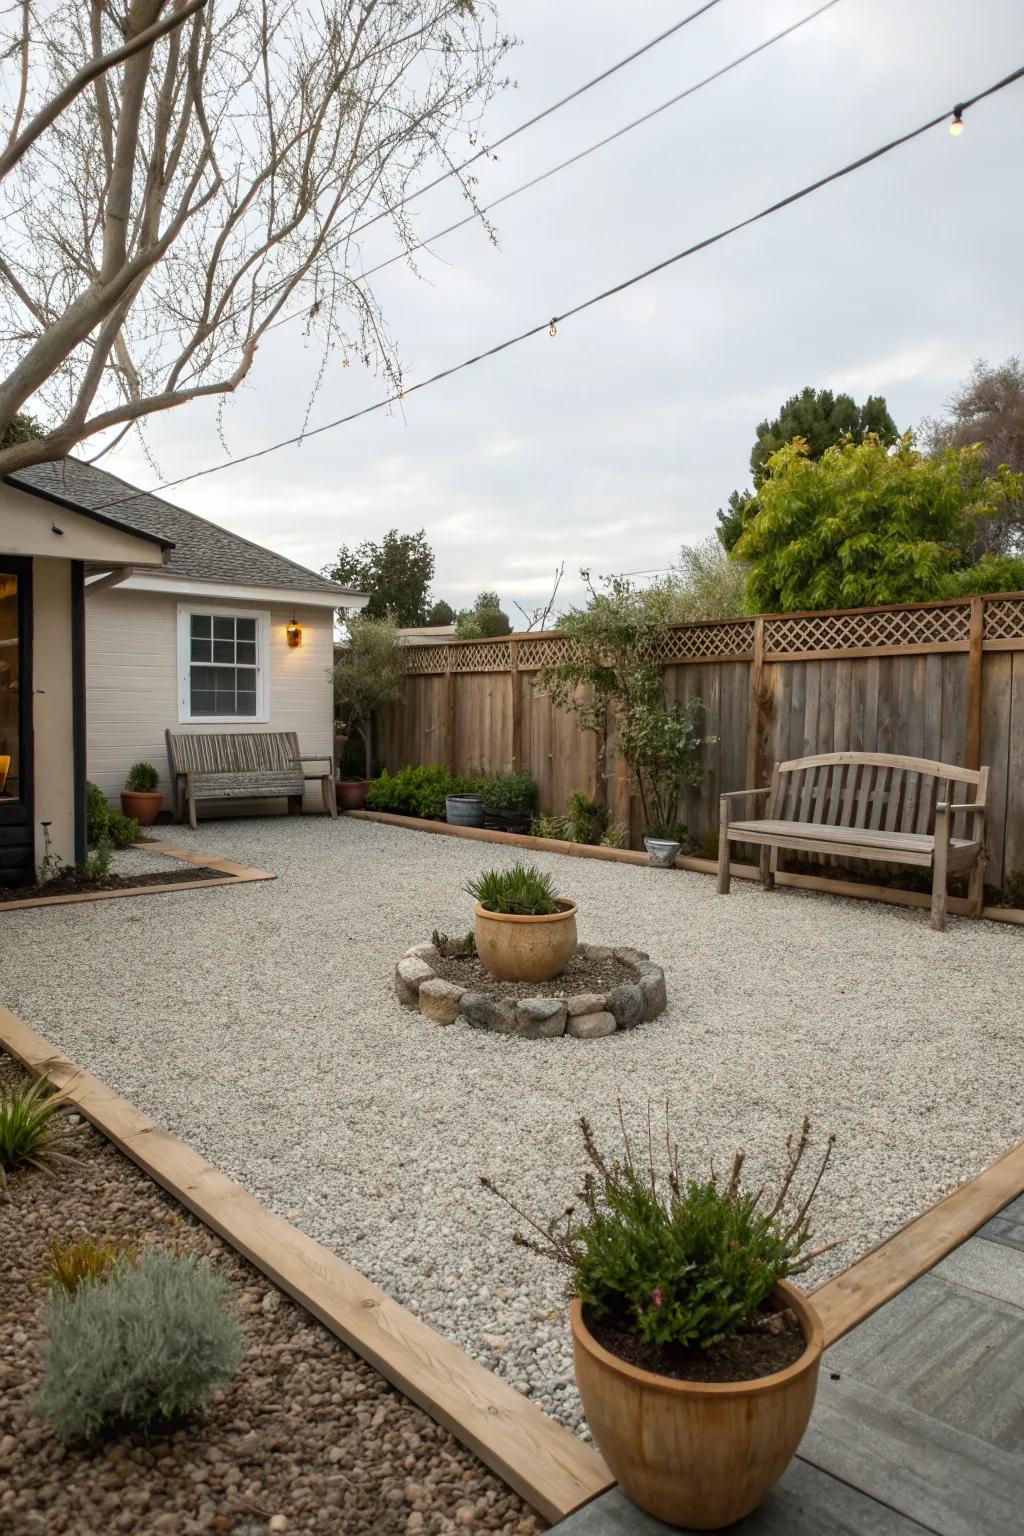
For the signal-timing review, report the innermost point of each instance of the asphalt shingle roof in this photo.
(202, 550)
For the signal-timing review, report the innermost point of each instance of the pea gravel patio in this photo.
(259, 1024)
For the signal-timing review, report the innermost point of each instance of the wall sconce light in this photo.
(294, 632)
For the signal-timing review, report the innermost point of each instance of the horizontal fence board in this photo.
(888, 679)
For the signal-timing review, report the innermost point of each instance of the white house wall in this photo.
(132, 685)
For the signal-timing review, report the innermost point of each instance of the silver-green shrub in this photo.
(151, 1342)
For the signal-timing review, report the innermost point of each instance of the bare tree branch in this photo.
(183, 9)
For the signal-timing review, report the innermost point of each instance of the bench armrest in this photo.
(739, 794)
(943, 806)
(312, 757)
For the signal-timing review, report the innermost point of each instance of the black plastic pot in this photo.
(508, 821)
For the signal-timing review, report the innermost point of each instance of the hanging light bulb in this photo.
(552, 329)
(956, 127)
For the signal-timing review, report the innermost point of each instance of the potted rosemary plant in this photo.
(696, 1358)
(140, 797)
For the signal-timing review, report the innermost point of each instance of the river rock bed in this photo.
(308, 1438)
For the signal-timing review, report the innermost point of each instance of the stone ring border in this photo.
(583, 1015)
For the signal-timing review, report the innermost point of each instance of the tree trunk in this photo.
(367, 731)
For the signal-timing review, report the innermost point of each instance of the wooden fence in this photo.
(942, 680)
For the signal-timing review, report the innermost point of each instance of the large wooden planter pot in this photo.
(697, 1454)
(526, 948)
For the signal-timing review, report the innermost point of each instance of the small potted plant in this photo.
(508, 801)
(351, 793)
(140, 797)
(664, 841)
(524, 932)
(696, 1359)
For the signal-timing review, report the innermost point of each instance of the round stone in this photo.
(541, 1018)
(626, 1003)
(439, 1000)
(410, 974)
(591, 1026)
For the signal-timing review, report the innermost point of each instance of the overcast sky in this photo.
(616, 441)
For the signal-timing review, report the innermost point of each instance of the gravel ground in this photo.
(307, 1439)
(259, 1024)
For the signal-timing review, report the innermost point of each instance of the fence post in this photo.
(517, 715)
(975, 683)
(755, 708)
(449, 718)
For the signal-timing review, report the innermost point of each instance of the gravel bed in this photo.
(259, 1024)
(582, 974)
(306, 1439)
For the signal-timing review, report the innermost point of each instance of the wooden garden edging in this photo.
(893, 1264)
(860, 890)
(545, 1463)
(231, 873)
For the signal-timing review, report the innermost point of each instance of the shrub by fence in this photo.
(939, 680)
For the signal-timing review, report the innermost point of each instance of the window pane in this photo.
(246, 703)
(202, 678)
(202, 703)
(200, 650)
(246, 629)
(201, 625)
(224, 650)
(224, 678)
(247, 678)
(223, 629)
(226, 703)
(247, 652)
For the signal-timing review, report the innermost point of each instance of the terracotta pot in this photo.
(515, 948)
(697, 1454)
(143, 804)
(351, 793)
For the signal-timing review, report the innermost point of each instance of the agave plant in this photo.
(30, 1128)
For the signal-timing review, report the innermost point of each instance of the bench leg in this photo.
(723, 849)
(192, 814)
(330, 795)
(767, 865)
(976, 887)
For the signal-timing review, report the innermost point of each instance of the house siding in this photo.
(132, 685)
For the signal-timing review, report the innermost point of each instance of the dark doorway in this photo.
(17, 836)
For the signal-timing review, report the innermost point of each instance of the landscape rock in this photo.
(541, 1018)
(439, 1000)
(626, 1003)
(410, 974)
(652, 990)
(585, 1002)
(597, 951)
(591, 1026)
(630, 956)
(486, 1012)
(427, 952)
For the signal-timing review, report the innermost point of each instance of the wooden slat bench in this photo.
(243, 765)
(868, 805)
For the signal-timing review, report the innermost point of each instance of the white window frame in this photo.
(219, 611)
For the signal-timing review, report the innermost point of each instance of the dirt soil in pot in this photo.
(307, 1439)
(771, 1343)
(582, 974)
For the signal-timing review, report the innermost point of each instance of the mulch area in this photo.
(307, 1439)
(582, 974)
(73, 883)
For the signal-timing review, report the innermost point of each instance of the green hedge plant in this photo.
(142, 779)
(521, 891)
(147, 1344)
(420, 791)
(677, 1260)
(510, 792)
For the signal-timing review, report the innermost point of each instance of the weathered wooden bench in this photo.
(868, 805)
(243, 765)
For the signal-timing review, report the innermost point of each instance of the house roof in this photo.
(198, 549)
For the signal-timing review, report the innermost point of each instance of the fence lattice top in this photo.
(918, 626)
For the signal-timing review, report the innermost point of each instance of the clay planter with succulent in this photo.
(351, 793)
(524, 932)
(140, 797)
(696, 1360)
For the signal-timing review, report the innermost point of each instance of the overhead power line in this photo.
(538, 117)
(551, 325)
(591, 149)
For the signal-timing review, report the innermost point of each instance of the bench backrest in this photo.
(880, 791)
(231, 751)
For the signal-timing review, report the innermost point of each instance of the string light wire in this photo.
(551, 324)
